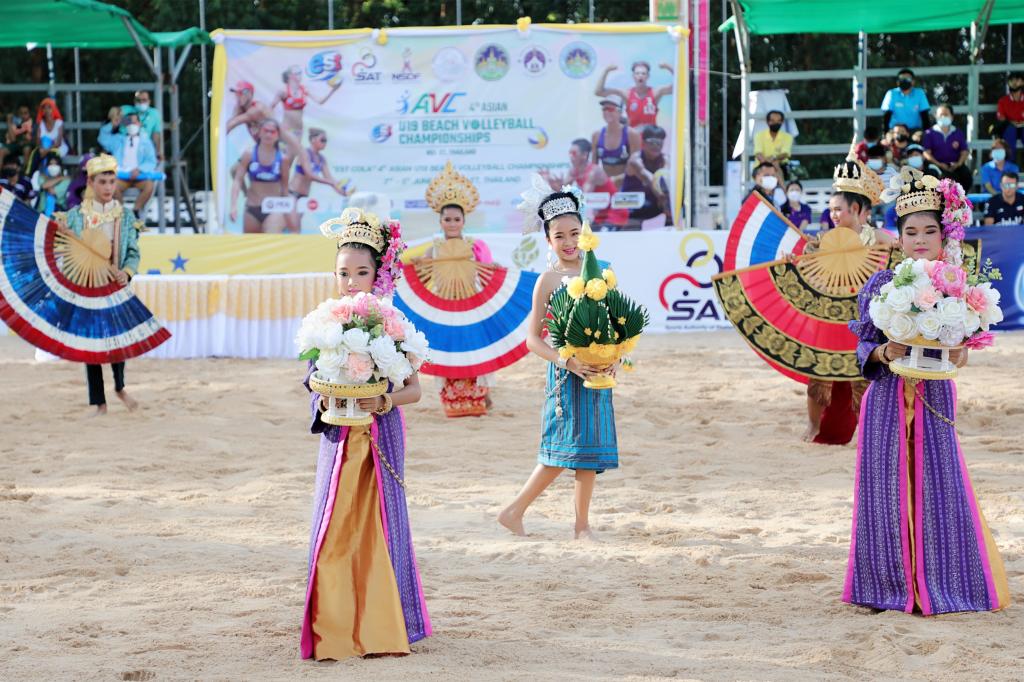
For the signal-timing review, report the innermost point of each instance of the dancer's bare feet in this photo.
(586, 535)
(128, 401)
(99, 411)
(811, 433)
(512, 521)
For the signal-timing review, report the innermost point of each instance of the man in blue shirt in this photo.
(905, 104)
(135, 154)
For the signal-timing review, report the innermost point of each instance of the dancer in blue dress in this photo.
(578, 423)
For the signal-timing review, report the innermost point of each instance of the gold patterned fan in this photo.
(841, 264)
(453, 273)
(85, 259)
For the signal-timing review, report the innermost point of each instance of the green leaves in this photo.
(311, 354)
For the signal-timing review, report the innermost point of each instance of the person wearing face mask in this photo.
(993, 170)
(945, 145)
(18, 138)
(135, 155)
(1007, 207)
(774, 145)
(795, 209)
(1010, 114)
(898, 139)
(905, 104)
(151, 121)
(51, 184)
(766, 182)
(11, 179)
(871, 138)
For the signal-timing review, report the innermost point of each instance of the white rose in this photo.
(881, 312)
(900, 299)
(917, 267)
(953, 334)
(357, 341)
(383, 352)
(333, 335)
(928, 324)
(886, 288)
(330, 363)
(972, 322)
(416, 344)
(901, 327)
(399, 371)
(951, 311)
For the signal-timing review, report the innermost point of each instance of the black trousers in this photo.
(94, 374)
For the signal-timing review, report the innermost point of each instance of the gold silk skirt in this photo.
(356, 609)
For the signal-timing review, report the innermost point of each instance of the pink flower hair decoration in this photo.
(391, 263)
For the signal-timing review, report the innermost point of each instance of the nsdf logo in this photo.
(688, 297)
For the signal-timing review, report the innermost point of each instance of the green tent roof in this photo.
(768, 17)
(81, 23)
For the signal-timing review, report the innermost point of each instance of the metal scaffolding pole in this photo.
(78, 104)
(206, 106)
(743, 51)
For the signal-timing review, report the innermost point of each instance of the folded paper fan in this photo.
(55, 292)
(760, 234)
(474, 315)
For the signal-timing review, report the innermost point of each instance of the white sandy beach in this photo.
(171, 543)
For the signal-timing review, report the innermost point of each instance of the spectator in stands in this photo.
(878, 161)
(49, 123)
(871, 138)
(646, 172)
(19, 133)
(899, 138)
(12, 179)
(825, 221)
(135, 154)
(1007, 207)
(50, 183)
(151, 121)
(35, 157)
(1010, 114)
(79, 181)
(905, 104)
(946, 146)
(766, 181)
(795, 209)
(993, 170)
(774, 145)
(913, 156)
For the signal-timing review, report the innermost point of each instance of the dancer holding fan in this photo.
(473, 311)
(70, 297)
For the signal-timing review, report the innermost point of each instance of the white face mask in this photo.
(142, 106)
(769, 182)
(945, 121)
(876, 164)
(915, 161)
(133, 128)
(795, 195)
(53, 170)
(998, 154)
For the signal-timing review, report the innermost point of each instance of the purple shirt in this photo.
(945, 148)
(798, 216)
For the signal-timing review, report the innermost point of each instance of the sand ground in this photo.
(170, 544)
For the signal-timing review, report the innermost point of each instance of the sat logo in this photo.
(688, 296)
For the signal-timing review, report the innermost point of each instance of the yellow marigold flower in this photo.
(597, 334)
(610, 279)
(597, 289)
(576, 287)
(566, 352)
(622, 320)
(588, 331)
(588, 241)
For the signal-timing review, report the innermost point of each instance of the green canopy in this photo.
(81, 23)
(769, 17)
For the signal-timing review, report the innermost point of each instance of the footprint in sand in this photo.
(138, 675)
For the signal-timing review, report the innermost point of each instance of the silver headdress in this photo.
(538, 206)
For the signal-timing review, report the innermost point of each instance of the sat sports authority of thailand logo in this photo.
(688, 297)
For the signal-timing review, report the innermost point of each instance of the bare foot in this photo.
(514, 523)
(586, 535)
(811, 433)
(99, 411)
(129, 402)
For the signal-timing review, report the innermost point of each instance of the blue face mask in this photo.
(916, 162)
(998, 154)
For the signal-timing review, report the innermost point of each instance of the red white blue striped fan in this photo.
(92, 324)
(760, 234)
(470, 336)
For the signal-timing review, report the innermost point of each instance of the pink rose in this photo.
(359, 368)
(342, 312)
(929, 267)
(393, 328)
(976, 299)
(926, 297)
(980, 340)
(950, 280)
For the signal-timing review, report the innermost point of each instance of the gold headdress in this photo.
(104, 163)
(356, 225)
(914, 191)
(451, 187)
(852, 175)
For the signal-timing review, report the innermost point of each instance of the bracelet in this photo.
(562, 363)
(387, 406)
(884, 354)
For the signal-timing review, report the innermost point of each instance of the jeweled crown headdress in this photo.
(104, 163)
(452, 187)
(355, 225)
(913, 191)
(540, 204)
(853, 175)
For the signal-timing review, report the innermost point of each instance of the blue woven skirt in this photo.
(584, 436)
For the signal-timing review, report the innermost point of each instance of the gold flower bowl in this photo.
(349, 414)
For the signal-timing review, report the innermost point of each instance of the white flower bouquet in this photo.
(358, 343)
(933, 304)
